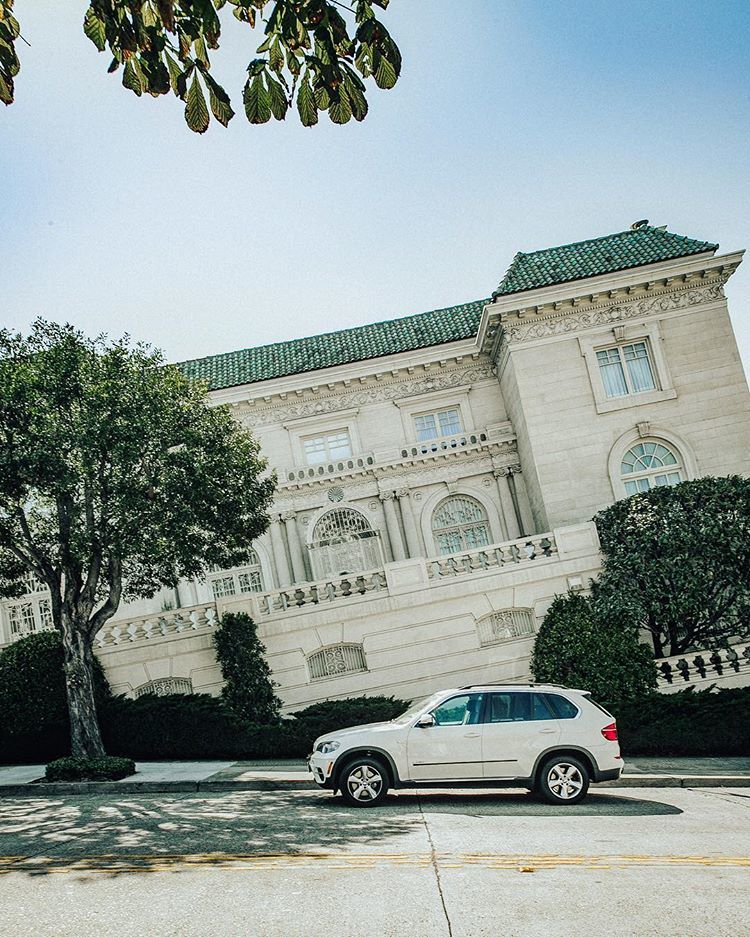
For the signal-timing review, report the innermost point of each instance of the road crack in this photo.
(435, 867)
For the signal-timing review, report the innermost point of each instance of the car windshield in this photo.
(417, 706)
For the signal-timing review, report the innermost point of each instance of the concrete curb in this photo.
(258, 784)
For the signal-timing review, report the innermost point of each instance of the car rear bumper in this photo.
(612, 774)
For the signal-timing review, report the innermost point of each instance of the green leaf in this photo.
(354, 89)
(277, 97)
(132, 78)
(149, 17)
(94, 28)
(340, 111)
(276, 56)
(385, 76)
(308, 112)
(219, 100)
(196, 112)
(175, 70)
(257, 101)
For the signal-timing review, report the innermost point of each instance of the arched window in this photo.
(336, 659)
(460, 523)
(650, 464)
(343, 542)
(248, 578)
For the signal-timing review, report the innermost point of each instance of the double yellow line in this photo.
(114, 864)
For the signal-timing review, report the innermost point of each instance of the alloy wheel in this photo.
(364, 783)
(564, 780)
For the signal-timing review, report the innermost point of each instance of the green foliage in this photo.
(689, 724)
(309, 50)
(194, 726)
(321, 718)
(32, 686)
(578, 647)
(677, 563)
(89, 769)
(248, 688)
(116, 479)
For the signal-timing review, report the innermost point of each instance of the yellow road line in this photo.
(114, 864)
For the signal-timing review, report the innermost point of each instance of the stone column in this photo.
(279, 554)
(413, 540)
(512, 529)
(521, 505)
(391, 522)
(295, 546)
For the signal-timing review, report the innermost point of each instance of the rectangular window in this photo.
(626, 369)
(223, 586)
(518, 707)
(437, 424)
(327, 448)
(250, 581)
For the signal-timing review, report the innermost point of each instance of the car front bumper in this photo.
(321, 768)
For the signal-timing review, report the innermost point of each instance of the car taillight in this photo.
(610, 732)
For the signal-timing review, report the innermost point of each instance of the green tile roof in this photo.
(335, 348)
(632, 248)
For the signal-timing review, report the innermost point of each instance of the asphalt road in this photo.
(262, 864)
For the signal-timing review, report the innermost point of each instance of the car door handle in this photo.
(472, 735)
(547, 731)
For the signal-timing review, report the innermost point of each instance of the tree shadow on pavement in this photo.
(46, 834)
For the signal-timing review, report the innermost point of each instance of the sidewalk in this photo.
(191, 776)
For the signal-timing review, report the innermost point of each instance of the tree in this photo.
(248, 687)
(310, 53)
(677, 563)
(578, 647)
(116, 479)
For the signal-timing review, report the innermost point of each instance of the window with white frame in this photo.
(460, 523)
(626, 369)
(437, 423)
(31, 613)
(650, 464)
(327, 447)
(247, 578)
(343, 542)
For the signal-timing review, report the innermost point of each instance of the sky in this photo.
(514, 126)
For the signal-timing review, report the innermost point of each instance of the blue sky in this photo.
(515, 126)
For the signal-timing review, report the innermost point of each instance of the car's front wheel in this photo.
(563, 779)
(364, 783)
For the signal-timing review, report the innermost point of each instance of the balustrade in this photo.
(525, 550)
(702, 665)
(162, 624)
(325, 590)
(443, 444)
(328, 469)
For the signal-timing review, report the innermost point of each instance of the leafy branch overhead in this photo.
(315, 55)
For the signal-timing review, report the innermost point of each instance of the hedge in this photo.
(154, 728)
(89, 769)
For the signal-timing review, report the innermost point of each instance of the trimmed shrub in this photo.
(578, 647)
(689, 723)
(248, 687)
(89, 769)
(330, 715)
(32, 684)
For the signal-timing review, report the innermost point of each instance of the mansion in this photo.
(437, 474)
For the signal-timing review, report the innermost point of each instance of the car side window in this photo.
(518, 707)
(459, 710)
(561, 707)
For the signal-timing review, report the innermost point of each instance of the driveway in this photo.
(637, 862)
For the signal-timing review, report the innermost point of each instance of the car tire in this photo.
(563, 779)
(364, 782)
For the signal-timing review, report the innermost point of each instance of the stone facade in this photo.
(432, 502)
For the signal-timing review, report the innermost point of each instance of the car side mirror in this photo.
(425, 721)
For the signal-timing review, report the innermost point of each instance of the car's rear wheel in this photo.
(364, 782)
(563, 779)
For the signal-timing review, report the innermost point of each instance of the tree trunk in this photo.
(85, 735)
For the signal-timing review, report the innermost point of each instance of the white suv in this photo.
(550, 739)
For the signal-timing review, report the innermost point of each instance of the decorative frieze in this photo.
(522, 329)
(443, 380)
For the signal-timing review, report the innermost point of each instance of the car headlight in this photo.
(326, 748)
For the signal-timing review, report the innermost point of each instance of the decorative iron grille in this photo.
(335, 660)
(343, 542)
(165, 686)
(460, 523)
(508, 624)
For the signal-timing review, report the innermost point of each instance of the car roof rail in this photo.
(510, 686)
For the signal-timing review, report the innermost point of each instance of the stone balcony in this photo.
(411, 453)
(724, 667)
